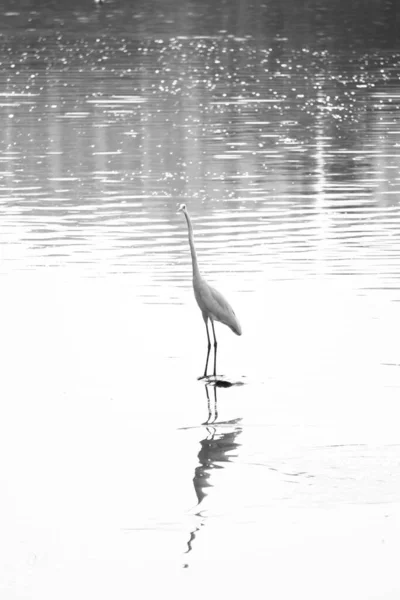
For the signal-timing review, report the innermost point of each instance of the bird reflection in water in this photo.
(216, 450)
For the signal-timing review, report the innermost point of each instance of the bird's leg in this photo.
(215, 404)
(215, 349)
(208, 348)
(208, 406)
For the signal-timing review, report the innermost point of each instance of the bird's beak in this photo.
(180, 209)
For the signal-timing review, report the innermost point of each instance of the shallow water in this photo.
(279, 129)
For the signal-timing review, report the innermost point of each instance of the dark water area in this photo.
(290, 124)
(278, 124)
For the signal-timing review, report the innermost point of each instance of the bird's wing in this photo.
(221, 310)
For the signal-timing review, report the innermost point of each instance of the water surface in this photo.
(279, 127)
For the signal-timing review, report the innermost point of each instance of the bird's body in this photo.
(213, 305)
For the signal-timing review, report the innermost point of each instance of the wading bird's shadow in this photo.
(217, 450)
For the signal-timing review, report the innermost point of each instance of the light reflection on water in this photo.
(286, 152)
(285, 183)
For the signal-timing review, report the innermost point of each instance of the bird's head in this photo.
(182, 208)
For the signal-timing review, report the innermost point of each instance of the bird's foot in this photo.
(208, 379)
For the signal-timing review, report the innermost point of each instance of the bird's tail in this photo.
(235, 326)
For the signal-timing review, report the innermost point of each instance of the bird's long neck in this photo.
(196, 272)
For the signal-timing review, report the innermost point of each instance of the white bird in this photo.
(212, 304)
